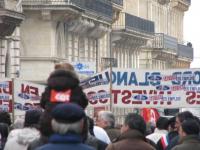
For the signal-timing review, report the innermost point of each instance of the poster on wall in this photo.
(6, 95)
(85, 69)
(136, 88)
(26, 96)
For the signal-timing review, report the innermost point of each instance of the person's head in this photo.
(18, 123)
(67, 118)
(181, 117)
(32, 118)
(105, 119)
(64, 66)
(172, 122)
(5, 118)
(189, 127)
(62, 87)
(4, 130)
(162, 123)
(134, 122)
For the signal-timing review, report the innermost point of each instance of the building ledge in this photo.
(9, 20)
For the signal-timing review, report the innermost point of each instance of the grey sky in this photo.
(192, 30)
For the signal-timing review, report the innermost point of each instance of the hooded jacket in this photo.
(19, 139)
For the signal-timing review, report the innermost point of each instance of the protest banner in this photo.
(97, 90)
(6, 95)
(178, 88)
(26, 96)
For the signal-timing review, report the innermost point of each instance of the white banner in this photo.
(26, 96)
(97, 90)
(178, 88)
(6, 95)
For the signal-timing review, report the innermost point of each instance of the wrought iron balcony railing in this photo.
(134, 23)
(118, 2)
(185, 51)
(188, 1)
(165, 42)
(100, 7)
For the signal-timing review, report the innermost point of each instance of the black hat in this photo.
(32, 117)
(67, 113)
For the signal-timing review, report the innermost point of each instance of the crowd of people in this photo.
(62, 124)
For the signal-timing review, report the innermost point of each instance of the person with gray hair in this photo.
(67, 123)
(106, 120)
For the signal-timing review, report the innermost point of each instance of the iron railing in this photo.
(100, 7)
(185, 51)
(140, 24)
(188, 1)
(118, 2)
(134, 23)
(165, 42)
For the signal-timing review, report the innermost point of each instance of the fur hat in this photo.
(63, 86)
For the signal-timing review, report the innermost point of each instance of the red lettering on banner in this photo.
(100, 96)
(29, 89)
(193, 97)
(147, 102)
(190, 98)
(137, 102)
(90, 97)
(126, 99)
(115, 95)
(6, 89)
(101, 100)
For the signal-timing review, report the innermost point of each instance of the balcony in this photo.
(117, 4)
(101, 8)
(9, 20)
(165, 43)
(135, 25)
(185, 51)
(181, 4)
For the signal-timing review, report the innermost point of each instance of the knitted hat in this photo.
(67, 113)
(32, 117)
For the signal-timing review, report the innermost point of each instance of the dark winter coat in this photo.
(169, 137)
(190, 142)
(112, 133)
(173, 142)
(130, 140)
(64, 142)
(95, 143)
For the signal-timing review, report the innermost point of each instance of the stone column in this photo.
(3, 49)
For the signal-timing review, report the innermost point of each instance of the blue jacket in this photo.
(64, 142)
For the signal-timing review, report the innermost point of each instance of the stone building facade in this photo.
(146, 34)
(10, 19)
(140, 33)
